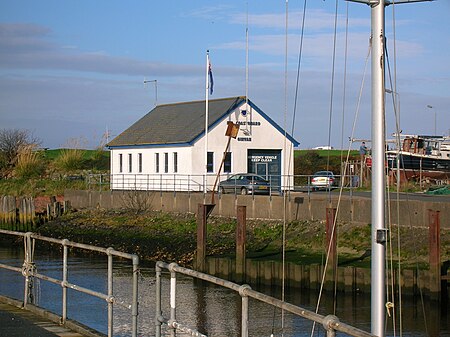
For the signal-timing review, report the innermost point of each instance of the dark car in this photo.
(245, 183)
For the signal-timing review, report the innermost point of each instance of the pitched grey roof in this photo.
(175, 123)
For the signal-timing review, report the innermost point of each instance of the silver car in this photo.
(245, 183)
(323, 179)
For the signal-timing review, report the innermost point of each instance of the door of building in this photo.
(262, 170)
(266, 163)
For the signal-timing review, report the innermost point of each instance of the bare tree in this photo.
(11, 141)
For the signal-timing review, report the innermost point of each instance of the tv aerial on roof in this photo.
(156, 88)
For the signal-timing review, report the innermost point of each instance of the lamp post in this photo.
(396, 106)
(435, 117)
(156, 89)
(398, 130)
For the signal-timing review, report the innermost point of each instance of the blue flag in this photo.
(211, 80)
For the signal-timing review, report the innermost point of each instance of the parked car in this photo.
(323, 179)
(245, 183)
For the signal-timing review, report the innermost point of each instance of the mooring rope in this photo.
(29, 267)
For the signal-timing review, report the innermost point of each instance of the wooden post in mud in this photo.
(240, 243)
(203, 212)
(330, 248)
(435, 257)
(8, 211)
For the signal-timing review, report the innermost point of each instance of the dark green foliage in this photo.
(307, 162)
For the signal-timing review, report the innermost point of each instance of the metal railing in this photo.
(330, 323)
(205, 183)
(29, 271)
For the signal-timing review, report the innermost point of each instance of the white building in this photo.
(166, 149)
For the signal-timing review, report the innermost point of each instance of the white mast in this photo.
(206, 118)
(378, 296)
(379, 232)
(246, 73)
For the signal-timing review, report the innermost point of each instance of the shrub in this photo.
(29, 163)
(69, 160)
(97, 159)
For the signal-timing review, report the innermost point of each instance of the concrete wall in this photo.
(299, 206)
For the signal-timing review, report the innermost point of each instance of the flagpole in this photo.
(206, 118)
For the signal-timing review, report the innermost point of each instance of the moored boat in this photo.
(422, 156)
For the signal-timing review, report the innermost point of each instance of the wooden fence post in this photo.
(435, 255)
(240, 243)
(330, 249)
(201, 237)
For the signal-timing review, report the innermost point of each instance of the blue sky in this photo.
(70, 70)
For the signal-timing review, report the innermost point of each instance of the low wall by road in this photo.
(299, 206)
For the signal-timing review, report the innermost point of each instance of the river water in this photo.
(212, 310)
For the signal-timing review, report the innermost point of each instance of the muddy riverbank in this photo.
(172, 237)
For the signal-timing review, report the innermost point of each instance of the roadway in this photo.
(393, 195)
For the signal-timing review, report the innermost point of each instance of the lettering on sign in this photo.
(244, 139)
(248, 123)
(263, 159)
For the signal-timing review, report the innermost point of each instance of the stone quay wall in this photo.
(299, 206)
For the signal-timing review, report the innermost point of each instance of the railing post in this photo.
(189, 184)
(173, 296)
(158, 314)
(174, 185)
(327, 322)
(244, 309)
(64, 283)
(110, 293)
(134, 309)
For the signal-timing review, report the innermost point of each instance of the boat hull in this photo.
(417, 165)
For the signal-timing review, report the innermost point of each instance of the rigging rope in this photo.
(389, 263)
(300, 53)
(342, 133)
(329, 140)
(397, 127)
(285, 151)
(332, 87)
(341, 187)
(344, 84)
(29, 268)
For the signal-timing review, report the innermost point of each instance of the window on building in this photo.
(166, 162)
(227, 163)
(140, 162)
(175, 162)
(120, 163)
(157, 162)
(130, 162)
(210, 162)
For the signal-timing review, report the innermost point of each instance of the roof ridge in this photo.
(201, 100)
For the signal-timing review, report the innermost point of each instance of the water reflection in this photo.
(212, 310)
